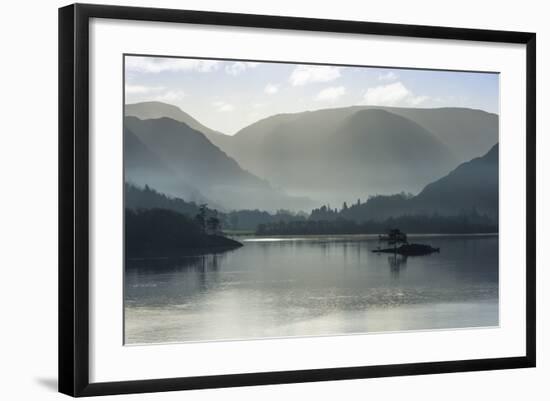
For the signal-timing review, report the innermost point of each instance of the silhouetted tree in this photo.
(200, 218)
(213, 224)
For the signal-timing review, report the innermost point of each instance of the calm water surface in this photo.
(279, 287)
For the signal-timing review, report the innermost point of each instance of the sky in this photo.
(229, 95)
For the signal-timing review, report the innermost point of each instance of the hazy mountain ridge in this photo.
(471, 188)
(467, 132)
(337, 154)
(328, 157)
(472, 185)
(155, 110)
(187, 150)
(144, 167)
(201, 164)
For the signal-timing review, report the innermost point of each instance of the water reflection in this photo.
(194, 262)
(396, 263)
(164, 280)
(311, 286)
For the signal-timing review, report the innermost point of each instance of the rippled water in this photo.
(278, 287)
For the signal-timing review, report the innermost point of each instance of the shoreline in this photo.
(250, 238)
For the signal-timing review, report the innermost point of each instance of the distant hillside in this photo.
(202, 165)
(467, 133)
(332, 155)
(143, 167)
(472, 187)
(340, 154)
(142, 198)
(155, 110)
(147, 198)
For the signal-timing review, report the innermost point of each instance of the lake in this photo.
(307, 286)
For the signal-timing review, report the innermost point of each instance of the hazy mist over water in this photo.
(302, 286)
(318, 157)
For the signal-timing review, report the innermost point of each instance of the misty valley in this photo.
(276, 231)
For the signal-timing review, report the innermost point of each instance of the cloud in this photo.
(154, 65)
(305, 74)
(142, 89)
(271, 89)
(158, 93)
(388, 76)
(239, 67)
(331, 94)
(223, 106)
(394, 94)
(170, 96)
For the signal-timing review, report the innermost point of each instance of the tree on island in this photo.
(214, 224)
(200, 218)
(395, 237)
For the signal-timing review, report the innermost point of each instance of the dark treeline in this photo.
(378, 207)
(372, 216)
(462, 224)
(166, 233)
(137, 198)
(148, 198)
(249, 220)
(382, 207)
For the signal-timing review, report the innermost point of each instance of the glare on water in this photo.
(303, 286)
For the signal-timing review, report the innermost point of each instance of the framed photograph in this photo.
(251, 199)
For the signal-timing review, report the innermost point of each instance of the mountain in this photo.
(155, 110)
(202, 165)
(471, 188)
(337, 154)
(467, 133)
(472, 185)
(143, 167)
(332, 155)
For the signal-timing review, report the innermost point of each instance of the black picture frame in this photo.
(74, 198)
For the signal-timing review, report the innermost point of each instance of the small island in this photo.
(396, 237)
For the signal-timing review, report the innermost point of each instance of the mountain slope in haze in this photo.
(155, 110)
(143, 167)
(472, 187)
(204, 166)
(332, 155)
(393, 145)
(330, 158)
(288, 139)
(467, 133)
(187, 151)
